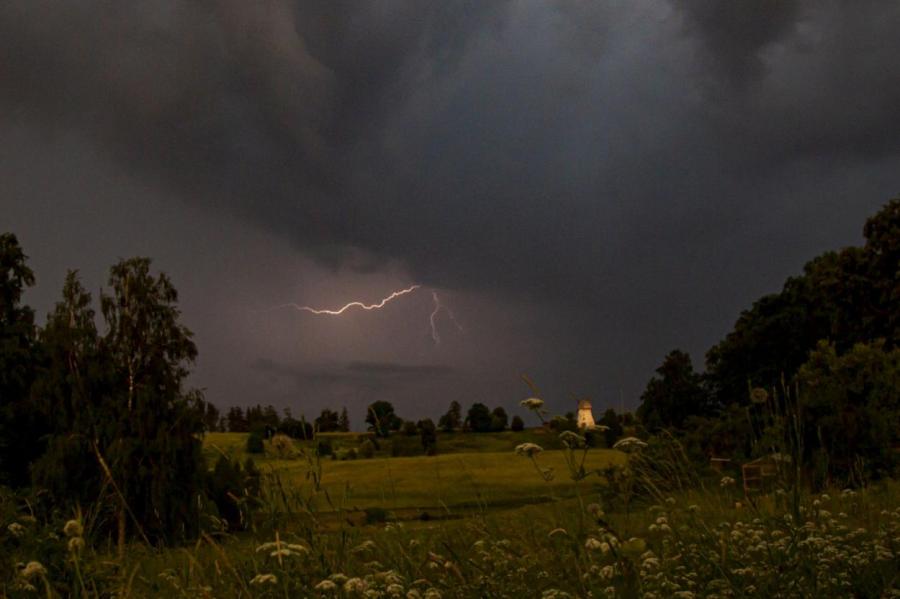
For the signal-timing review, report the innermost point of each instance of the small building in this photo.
(762, 473)
(585, 417)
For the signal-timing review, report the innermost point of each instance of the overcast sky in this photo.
(586, 185)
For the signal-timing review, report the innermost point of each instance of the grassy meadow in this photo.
(486, 523)
(473, 471)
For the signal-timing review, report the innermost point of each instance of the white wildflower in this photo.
(264, 579)
(364, 546)
(33, 569)
(73, 528)
(593, 544)
(532, 403)
(726, 481)
(16, 529)
(355, 585)
(325, 586)
(76, 544)
(528, 449)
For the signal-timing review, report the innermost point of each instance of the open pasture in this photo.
(494, 477)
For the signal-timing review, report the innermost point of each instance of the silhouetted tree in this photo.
(149, 432)
(381, 418)
(73, 387)
(674, 394)
(20, 428)
(517, 425)
(614, 428)
(428, 435)
(478, 418)
(344, 421)
(499, 419)
(210, 417)
(328, 421)
(452, 419)
(851, 408)
(847, 297)
(237, 422)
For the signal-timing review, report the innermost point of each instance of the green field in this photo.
(473, 471)
(478, 520)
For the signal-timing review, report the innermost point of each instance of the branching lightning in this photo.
(438, 306)
(432, 318)
(345, 307)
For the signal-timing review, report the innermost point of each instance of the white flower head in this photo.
(368, 545)
(532, 403)
(73, 528)
(264, 579)
(33, 569)
(572, 440)
(355, 585)
(528, 449)
(326, 586)
(76, 544)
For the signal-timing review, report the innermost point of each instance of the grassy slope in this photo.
(474, 470)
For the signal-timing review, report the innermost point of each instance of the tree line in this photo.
(825, 349)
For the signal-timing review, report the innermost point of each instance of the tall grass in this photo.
(644, 526)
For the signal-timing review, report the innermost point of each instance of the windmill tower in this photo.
(585, 415)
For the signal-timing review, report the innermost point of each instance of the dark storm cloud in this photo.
(374, 375)
(454, 135)
(656, 165)
(735, 33)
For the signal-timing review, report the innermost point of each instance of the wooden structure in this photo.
(762, 473)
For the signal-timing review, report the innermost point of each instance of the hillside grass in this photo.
(495, 528)
(474, 471)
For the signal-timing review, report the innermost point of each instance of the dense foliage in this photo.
(103, 418)
(820, 353)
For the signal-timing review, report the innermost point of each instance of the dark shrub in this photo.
(367, 449)
(323, 448)
(376, 515)
(405, 446)
(255, 442)
(517, 425)
(234, 491)
(428, 436)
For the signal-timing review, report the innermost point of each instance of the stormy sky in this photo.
(586, 185)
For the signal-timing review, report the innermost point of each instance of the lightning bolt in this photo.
(345, 307)
(432, 318)
(438, 306)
